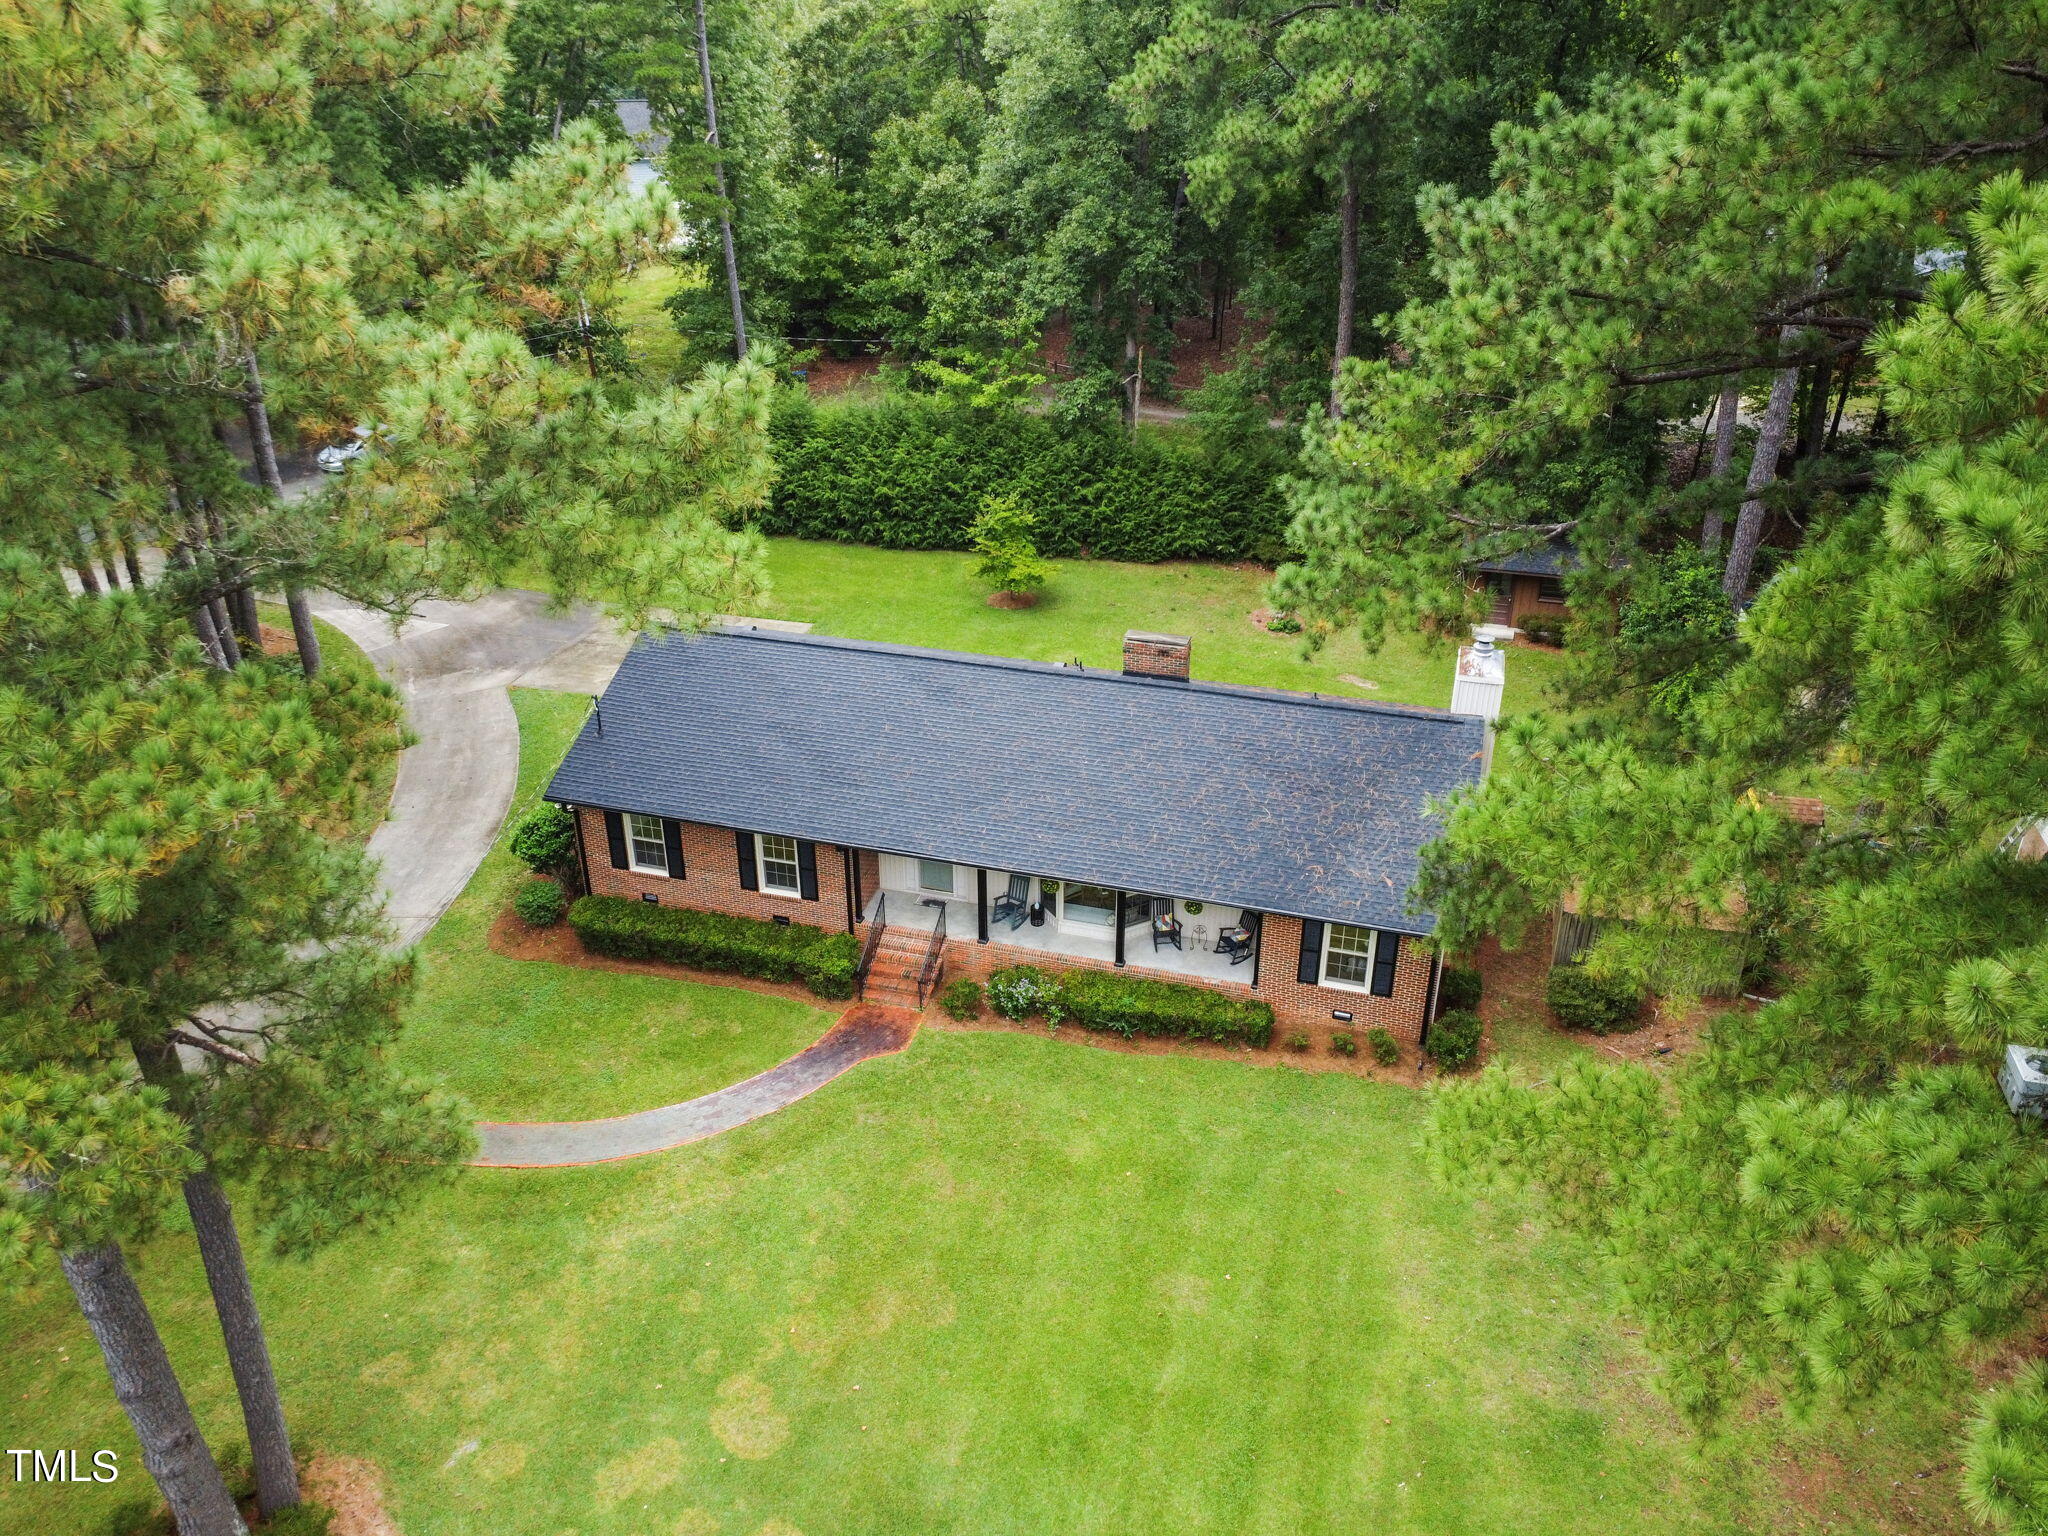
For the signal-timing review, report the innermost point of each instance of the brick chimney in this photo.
(1150, 655)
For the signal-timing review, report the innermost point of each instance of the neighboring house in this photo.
(987, 812)
(1527, 583)
(649, 142)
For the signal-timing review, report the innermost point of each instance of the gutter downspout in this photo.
(846, 886)
(582, 853)
(1436, 975)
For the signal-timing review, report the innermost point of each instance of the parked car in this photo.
(336, 457)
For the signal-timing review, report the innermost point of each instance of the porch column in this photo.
(980, 904)
(1119, 928)
(1258, 943)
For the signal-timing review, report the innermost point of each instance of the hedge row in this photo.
(1132, 1005)
(711, 941)
(911, 474)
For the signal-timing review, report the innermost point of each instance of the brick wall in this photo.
(711, 877)
(1295, 1007)
(711, 883)
(1151, 655)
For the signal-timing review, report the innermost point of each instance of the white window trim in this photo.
(1104, 931)
(632, 848)
(1338, 983)
(761, 870)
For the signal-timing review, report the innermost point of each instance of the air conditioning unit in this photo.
(2024, 1080)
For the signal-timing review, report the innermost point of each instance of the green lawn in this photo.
(652, 340)
(524, 1040)
(997, 1284)
(915, 597)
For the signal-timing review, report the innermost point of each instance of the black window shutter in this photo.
(1386, 950)
(807, 870)
(749, 879)
(615, 834)
(1310, 972)
(672, 841)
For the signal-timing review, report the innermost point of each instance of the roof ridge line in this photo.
(1427, 712)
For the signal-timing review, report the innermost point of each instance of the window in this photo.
(935, 875)
(646, 844)
(1088, 906)
(1549, 590)
(779, 873)
(1347, 957)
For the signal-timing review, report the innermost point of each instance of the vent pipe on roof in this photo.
(1477, 685)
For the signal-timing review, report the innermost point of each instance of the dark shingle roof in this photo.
(1553, 557)
(1275, 801)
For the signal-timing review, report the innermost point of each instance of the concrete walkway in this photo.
(863, 1031)
(452, 664)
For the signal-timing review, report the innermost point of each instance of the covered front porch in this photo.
(1069, 920)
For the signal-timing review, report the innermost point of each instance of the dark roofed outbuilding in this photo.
(1282, 802)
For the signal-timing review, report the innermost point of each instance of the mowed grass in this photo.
(915, 597)
(527, 1040)
(998, 1284)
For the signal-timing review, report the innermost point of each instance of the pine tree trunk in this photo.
(241, 1328)
(209, 637)
(234, 1304)
(240, 599)
(257, 410)
(134, 565)
(1763, 469)
(732, 261)
(107, 565)
(172, 1448)
(1726, 415)
(1347, 283)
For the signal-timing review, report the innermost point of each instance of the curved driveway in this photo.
(452, 663)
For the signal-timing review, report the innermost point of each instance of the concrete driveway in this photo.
(452, 664)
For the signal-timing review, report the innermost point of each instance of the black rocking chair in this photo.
(1166, 930)
(1013, 906)
(1239, 942)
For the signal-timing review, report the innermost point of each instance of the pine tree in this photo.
(1835, 1201)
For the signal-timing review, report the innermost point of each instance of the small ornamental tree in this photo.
(1009, 559)
(546, 840)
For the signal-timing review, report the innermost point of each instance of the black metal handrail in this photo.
(928, 973)
(867, 954)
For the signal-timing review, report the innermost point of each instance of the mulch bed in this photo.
(559, 945)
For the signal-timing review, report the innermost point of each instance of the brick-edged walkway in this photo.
(864, 1030)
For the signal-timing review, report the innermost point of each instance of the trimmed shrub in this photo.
(1543, 628)
(1298, 1041)
(1131, 1005)
(1582, 1000)
(1457, 989)
(961, 999)
(712, 941)
(1454, 1040)
(546, 840)
(913, 473)
(1343, 1042)
(1018, 991)
(540, 903)
(1385, 1050)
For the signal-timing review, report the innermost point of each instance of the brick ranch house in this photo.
(959, 813)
